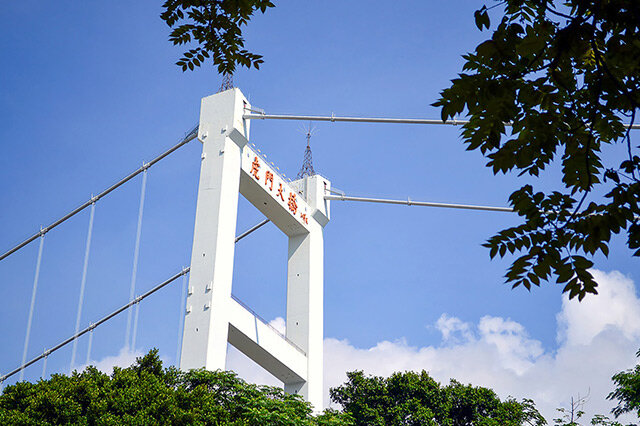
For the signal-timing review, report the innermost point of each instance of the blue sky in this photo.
(90, 91)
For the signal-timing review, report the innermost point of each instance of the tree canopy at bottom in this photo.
(147, 393)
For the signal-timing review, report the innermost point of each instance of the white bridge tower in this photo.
(213, 317)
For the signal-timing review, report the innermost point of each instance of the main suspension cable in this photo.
(65, 342)
(333, 118)
(259, 115)
(410, 202)
(252, 229)
(188, 138)
(135, 301)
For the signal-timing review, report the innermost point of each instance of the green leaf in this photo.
(481, 18)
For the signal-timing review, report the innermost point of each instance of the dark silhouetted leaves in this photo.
(215, 26)
(554, 86)
(627, 391)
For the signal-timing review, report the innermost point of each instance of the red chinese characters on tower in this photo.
(293, 206)
(255, 166)
(268, 178)
(280, 192)
(303, 216)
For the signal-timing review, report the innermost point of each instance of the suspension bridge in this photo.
(211, 316)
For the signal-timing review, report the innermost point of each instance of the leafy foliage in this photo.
(553, 84)
(572, 419)
(416, 399)
(146, 393)
(572, 415)
(627, 391)
(215, 25)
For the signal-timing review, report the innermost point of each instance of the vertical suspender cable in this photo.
(183, 302)
(136, 253)
(82, 285)
(191, 135)
(86, 330)
(135, 328)
(31, 307)
(89, 347)
(44, 366)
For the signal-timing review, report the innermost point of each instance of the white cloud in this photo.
(616, 307)
(278, 324)
(596, 338)
(125, 358)
(453, 329)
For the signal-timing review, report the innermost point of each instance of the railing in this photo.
(262, 320)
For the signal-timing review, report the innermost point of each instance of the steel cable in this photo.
(191, 135)
(136, 253)
(32, 305)
(83, 283)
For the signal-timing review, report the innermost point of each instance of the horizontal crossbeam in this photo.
(272, 194)
(266, 346)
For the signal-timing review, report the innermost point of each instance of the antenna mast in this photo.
(307, 164)
(227, 82)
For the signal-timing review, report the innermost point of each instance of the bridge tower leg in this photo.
(213, 316)
(207, 318)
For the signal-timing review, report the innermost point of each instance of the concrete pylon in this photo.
(213, 318)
